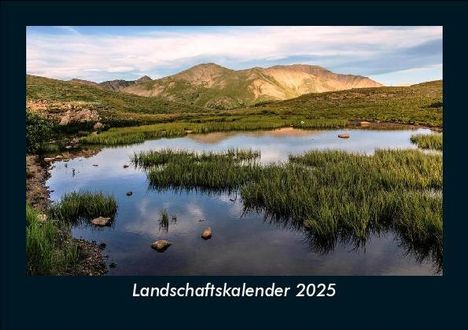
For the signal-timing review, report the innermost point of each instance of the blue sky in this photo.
(390, 55)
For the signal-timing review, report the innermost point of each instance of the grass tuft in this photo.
(331, 194)
(77, 206)
(428, 141)
(49, 249)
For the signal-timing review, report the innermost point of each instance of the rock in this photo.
(42, 217)
(95, 165)
(161, 245)
(364, 124)
(343, 136)
(207, 233)
(65, 120)
(58, 157)
(129, 193)
(49, 159)
(125, 166)
(74, 141)
(101, 221)
(68, 147)
(98, 126)
(188, 131)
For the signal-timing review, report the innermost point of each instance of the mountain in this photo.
(120, 85)
(213, 86)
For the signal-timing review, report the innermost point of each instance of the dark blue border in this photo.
(361, 302)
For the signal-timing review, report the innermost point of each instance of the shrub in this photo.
(38, 131)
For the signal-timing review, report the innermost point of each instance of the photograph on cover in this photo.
(234, 150)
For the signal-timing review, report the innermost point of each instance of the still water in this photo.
(242, 243)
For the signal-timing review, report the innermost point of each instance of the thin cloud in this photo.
(102, 53)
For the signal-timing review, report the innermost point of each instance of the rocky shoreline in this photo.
(91, 259)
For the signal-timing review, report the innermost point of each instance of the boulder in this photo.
(49, 159)
(343, 136)
(42, 217)
(129, 193)
(75, 141)
(98, 126)
(161, 245)
(364, 124)
(58, 157)
(207, 233)
(101, 221)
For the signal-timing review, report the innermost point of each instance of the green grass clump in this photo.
(164, 220)
(333, 194)
(77, 206)
(428, 141)
(208, 170)
(148, 159)
(47, 249)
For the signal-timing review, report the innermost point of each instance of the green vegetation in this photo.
(417, 105)
(38, 132)
(148, 159)
(56, 91)
(164, 220)
(49, 249)
(227, 170)
(78, 206)
(331, 194)
(128, 135)
(431, 141)
(153, 117)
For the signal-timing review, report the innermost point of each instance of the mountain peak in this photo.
(202, 74)
(143, 79)
(306, 68)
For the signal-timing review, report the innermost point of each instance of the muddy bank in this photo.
(91, 259)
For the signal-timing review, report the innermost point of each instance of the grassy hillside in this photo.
(418, 104)
(58, 94)
(215, 87)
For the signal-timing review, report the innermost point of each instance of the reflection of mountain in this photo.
(213, 138)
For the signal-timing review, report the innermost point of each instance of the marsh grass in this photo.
(164, 220)
(77, 206)
(146, 159)
(49, 247)
(428, 141)
(333, 194)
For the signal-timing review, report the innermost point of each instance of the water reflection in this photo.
(244, 242)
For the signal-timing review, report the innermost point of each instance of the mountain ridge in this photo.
(214, 86)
